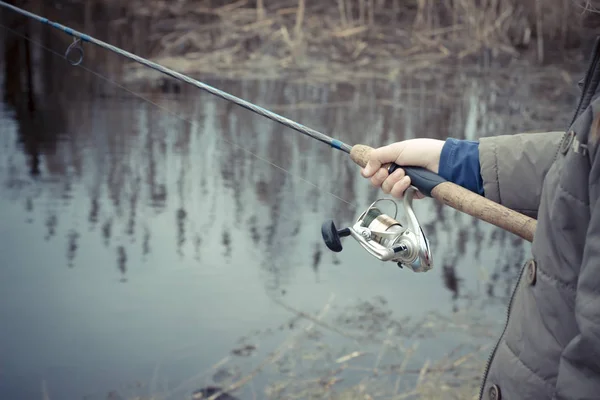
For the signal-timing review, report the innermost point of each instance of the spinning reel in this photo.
(384, 237)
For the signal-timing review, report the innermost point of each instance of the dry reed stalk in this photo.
(413, 371)
(287, 38)
(538, 23)
(419, 19)
(350, 32)
(361, 11)
(564, 26)
(360, 47)
(342, 11)
(381, 350)
(299, 20)
(286, 11)
(350, 356)
(276, 355)
(260, 9)
(264, 23)
(231, 7)
(350, 11)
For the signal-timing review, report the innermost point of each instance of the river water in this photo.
(142, 240)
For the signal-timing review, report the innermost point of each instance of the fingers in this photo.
(414, 152)
(400, 187)
(371, 168)
(395, 184)
(391, 180)
(380, 156)
(379, 177)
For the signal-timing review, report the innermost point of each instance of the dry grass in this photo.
(369, 37)
(360, 352)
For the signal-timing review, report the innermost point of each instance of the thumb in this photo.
(382, 155)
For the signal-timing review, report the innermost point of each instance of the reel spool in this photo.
(384, 237)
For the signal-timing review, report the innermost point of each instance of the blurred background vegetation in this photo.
(343, 39)
(126, 188)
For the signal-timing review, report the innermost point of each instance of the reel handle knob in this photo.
(331, 235)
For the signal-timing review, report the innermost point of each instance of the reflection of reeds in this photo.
(132, 172)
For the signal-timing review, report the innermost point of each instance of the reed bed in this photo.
(350, 39)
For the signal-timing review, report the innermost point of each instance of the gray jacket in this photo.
(550, 346)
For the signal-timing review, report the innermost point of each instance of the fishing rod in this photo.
(381, 235)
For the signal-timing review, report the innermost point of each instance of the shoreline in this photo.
(318, 43)
(312, 42)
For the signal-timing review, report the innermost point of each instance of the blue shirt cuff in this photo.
(459, 164)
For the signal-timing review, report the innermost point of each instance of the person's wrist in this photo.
(434, 164)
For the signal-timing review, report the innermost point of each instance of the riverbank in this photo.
(351, 40)
(362, 351)
(346, 41)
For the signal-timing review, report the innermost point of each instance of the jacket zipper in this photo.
(493, 353)
(588, 76)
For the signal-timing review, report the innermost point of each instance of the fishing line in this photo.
(243, 103)
(426, 182)
(193, 123)
(284, 216)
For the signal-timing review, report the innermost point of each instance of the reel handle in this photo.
(331, 235)
(457, 197)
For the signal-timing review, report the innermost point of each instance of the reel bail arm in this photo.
(384, 237)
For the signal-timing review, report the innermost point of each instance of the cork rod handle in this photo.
(457, 197)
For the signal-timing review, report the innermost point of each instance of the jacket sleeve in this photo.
(459, 163)
(513, 168)
(579, 366)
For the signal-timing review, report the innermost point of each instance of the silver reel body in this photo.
(385, 238)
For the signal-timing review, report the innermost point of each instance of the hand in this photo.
(412, 152)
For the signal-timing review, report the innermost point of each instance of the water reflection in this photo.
(193, 182)
(38, 127)
(133, 161)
